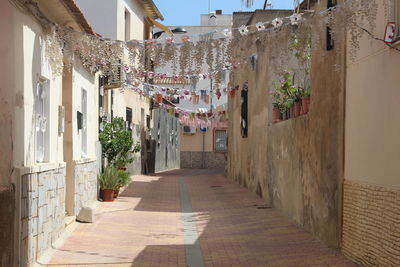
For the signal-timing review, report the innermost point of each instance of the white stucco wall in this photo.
(31, 65)
(82, 79)
(137, 19)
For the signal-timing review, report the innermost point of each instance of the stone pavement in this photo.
(191, 218)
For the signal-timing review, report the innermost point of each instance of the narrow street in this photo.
(191, 218)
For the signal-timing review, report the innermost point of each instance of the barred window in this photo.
(220, 141)
(41, 121)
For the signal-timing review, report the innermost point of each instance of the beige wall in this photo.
(296, 165)
(371, 201)
(372, 113)
(194, 143)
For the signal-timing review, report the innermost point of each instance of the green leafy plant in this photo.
(286, 93)
(117, 143)
(124, 179)
(109, 178)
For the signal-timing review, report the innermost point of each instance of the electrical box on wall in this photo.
(61, 117)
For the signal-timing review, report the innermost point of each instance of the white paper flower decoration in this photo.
(227, 32)
(278, 22)
(243, 30)
(260, 26)
(295, 19)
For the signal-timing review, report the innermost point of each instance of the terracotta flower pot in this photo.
(107, 195)
(291, 113)
(297, 109)
(116, 193)
(275, 115)
(306, 102)
(284, 117)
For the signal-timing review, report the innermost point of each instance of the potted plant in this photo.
(297, 101)
(124, 179)
(117, 143)
(306, 100)
(276, 106)
(108, 180)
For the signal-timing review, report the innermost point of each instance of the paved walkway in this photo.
(191, 218)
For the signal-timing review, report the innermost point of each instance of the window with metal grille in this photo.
(129, 119)
(220, 141)
(41, 121)
(244, 110)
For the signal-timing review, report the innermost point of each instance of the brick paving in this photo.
(152, 225)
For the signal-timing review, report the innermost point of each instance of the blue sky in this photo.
(186, 12)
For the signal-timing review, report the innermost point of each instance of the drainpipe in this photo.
(204, 151)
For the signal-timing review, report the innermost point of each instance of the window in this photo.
(329, 39)
(84, 123)
(142, 117)
(41, 121)
(243, 111)
(129, 119)
(220, 141)
(127, 25)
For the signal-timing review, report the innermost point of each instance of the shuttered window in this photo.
(243, 111)
(220, 141)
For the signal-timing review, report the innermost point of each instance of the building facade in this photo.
(53, 162)
(126, 20)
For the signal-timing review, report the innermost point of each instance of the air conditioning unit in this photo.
(189, 130)
(114, 77)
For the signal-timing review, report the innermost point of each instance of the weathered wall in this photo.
(7, 138)
(371, 208)
(42, 212)
(296, 165)
(200, 160)
(7, 213)
(166, 134)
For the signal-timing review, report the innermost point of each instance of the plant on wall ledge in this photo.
(289, 100)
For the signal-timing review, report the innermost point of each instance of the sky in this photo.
(187, 12)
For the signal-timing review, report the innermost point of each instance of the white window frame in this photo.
(218, 147)
(41, 125)
(84, 133)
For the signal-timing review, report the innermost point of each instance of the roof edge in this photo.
(77, 13)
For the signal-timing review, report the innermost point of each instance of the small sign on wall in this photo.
(390, 32)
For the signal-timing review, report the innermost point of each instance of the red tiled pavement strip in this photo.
(144, 228)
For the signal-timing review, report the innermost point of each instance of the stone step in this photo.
(69, 220)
